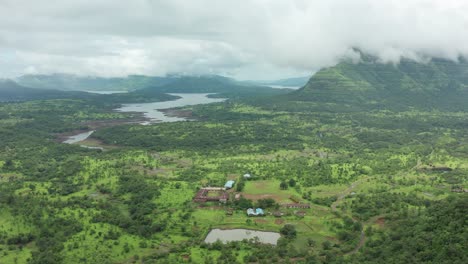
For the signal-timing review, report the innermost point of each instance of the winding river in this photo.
(153, 113)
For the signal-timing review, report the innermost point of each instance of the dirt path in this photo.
(362, 241)
(363, 238)
(346, 193)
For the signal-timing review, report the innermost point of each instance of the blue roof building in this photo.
(229, 184)
(256, 212)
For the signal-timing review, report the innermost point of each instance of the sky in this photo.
(245, 39)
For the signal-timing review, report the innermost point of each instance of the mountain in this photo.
(223, 86)
(90, 83)
(438, 83)
(11, 91)
(148, 84)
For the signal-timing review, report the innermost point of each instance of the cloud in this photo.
(254, 39)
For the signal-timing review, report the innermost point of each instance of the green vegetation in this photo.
(438, 84)
(383, 185)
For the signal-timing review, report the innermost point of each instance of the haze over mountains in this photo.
(140, 88)
(368, 82)
(435, 83)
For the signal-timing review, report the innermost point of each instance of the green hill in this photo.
(436, 84)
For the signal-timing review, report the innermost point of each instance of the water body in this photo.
(229, 235)
(284, 87)
(151, 110)
(77, 138)
(106, 92)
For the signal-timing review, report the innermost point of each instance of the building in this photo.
(203, 195)
(256, 212)
(297, 205)
(229, 184)
(247, 176)
(278, 214)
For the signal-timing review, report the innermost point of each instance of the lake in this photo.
(152, 110)
(229, 235)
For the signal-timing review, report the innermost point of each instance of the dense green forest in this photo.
(384, 173)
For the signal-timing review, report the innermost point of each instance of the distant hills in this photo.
(436, 84)
(141, 88)
(169, 83)
(149, 85)
(11, 91)
(369, 84)
(225, 87)
(69, 82)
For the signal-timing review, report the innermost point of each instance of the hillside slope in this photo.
(436, 84)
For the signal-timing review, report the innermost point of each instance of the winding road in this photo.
(362, 238)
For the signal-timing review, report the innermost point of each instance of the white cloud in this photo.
(250, 39)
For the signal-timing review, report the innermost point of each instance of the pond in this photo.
(229, 235)
(153, 113)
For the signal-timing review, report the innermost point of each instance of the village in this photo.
(236, 198)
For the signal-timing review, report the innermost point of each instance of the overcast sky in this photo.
(247, 39)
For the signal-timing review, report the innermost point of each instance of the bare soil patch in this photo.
(380, 221)
(279, 221)
(255, 197)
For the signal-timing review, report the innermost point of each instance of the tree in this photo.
(311, 242)
(292, 183)
(266, 203)
(240, 186)
(243, 203)
(326, 245)
(283, 185)
(289, 231)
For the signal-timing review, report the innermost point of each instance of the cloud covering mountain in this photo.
(251, 39)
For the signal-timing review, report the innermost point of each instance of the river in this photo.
(152, 111)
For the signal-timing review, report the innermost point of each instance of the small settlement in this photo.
(224, 194)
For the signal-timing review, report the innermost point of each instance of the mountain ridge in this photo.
(406, 84)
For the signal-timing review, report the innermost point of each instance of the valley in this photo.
(337, 180)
